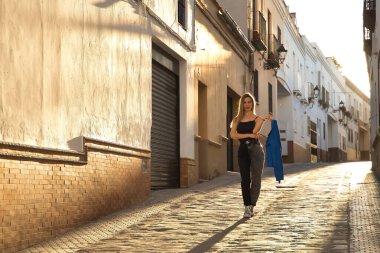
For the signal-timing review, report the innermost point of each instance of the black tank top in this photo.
(246, 128)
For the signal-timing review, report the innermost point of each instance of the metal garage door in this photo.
(165, 128)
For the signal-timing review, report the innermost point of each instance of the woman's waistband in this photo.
(250, 141)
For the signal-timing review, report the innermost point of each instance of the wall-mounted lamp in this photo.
(281, 53)
(275, 59)
(314, 95)
(345, 120)
(342, 113)
(341, 107)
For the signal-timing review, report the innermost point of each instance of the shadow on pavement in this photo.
(231, 178)
(206, 245)
(358, 228)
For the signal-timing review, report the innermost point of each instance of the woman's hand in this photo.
(269, 116)
(255, 135)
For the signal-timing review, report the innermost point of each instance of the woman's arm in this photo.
(235, 135)
(260, 123)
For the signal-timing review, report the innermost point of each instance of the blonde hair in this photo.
(240, 113)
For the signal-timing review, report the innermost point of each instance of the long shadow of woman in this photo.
(206, 245)
(106, 3)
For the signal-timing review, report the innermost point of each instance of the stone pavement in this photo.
(319, 207)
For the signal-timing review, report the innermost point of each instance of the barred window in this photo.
(270, 98)
(256, 85)
(182, 13)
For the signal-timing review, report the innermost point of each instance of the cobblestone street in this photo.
(317, 208)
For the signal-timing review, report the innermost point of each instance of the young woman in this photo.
(246, 127)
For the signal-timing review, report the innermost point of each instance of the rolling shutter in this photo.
(165, 128)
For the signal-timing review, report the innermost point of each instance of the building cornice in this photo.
(238, 47)
(309, 49)
(294, 33)
(323, 60)
(356, 90)
(281, 8)
(162, 23)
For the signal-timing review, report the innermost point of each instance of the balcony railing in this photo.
(367, 37)
(259, 38)
(369, 21)
(273, 61)
(369, 14)
(322, 96)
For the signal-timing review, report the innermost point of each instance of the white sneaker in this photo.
(251, 209)
(247, 212)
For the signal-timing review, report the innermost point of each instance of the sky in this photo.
(337, 27)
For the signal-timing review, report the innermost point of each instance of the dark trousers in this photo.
(251, 163)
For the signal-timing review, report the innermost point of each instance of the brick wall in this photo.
(188, 173)
(337, 155)
(41, 197)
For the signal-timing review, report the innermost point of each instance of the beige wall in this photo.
(300, 154)
(46, 192)
(267, 76)
(69, 69)
(236, 10)
(217, 65)
(73, 68)
(351, 155)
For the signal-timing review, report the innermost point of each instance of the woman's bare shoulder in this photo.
(258, 117)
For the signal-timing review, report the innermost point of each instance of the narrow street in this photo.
(317, 208)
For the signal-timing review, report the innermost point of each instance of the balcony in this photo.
(348, 114)
(369, 21)
(369, 14)
(322, 97)
(363, 125)
(273, 60)
(367, 37)
(297, 93)
(259, 37)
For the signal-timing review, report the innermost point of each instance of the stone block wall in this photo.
(45, 192)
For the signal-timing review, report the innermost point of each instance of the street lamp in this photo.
(275, 59)
(281, 53)
(341, 106)
(345, 121)
(314, 95)
(342, 110)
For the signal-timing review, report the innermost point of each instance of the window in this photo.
(254, 15)
(303, 128)
(344, 142)
(182, 13)
(311, 92)
(279, 35)
(349, 135)
(324, 131)
(270, 98)
(256, 85)
(270, 46)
